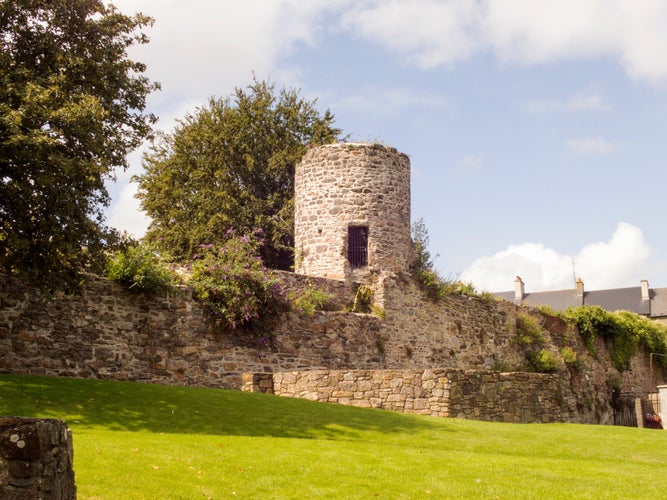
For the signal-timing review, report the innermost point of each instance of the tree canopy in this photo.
(71, 108)
(230, 164)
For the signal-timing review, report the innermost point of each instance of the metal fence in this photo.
(625, 410)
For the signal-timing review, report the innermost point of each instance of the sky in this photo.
(536, 129)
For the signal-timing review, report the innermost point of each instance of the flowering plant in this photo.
(236, 287)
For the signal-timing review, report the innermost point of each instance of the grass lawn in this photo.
(141, 441)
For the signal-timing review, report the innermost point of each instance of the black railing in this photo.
(357, 246)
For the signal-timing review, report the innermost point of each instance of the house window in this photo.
(357, 246)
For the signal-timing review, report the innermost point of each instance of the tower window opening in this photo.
(357, 246)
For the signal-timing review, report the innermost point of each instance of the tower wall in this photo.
(360, 186)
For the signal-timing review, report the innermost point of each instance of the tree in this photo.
(71, 108)
(231, 164)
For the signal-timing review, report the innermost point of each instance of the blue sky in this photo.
(536, 129)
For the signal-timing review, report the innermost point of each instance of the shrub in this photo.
(235, 286)
(528, 329)
(310, 300)
(550, 311)
(139, 268)
(569, 355)
(544, 361)
(363, 300)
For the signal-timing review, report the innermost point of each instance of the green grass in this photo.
(141, 441)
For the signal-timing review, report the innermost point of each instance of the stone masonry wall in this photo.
(339, 185)
(36, 459)
(492, 396)
(107, 332)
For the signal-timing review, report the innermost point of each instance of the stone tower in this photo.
(352, 211)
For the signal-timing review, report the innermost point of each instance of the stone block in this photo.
(36, 459)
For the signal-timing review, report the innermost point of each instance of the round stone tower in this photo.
(352, 211)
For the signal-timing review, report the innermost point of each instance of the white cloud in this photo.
(126, 213)
(432, 33)
(621, 261)
(590, 145)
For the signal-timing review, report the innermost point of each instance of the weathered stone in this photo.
(36, 459)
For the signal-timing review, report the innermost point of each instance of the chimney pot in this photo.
(580, 291)
(519, 291)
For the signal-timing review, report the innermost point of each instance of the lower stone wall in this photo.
(36, 459)
(491, 396)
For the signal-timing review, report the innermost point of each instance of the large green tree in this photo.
(71, 107)
(231, 164)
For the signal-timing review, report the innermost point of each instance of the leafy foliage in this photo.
(71, 105)
(569, 355)
(422, 266)
(231, 163)
(310, 300)
(528, 330)
(623, 331)
(544, 361)
(139, 268)
(363, 300)
(236, 287)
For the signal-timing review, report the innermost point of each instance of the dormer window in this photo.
(357, 246)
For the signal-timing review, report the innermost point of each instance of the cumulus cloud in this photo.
(621, 261)
(126, 215)
(590, 145)
(430, 32)
(206, 47)
(433, 33)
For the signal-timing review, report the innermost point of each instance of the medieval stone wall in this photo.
(107, 332)
(492, 396)
(110, 333)
(342, 185)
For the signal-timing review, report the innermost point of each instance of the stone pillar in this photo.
(257, 382)
(36, 459)
(662, 398)
(639, 413)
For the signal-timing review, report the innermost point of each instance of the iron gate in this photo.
(623, 404)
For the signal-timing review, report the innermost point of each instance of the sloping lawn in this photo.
(141, 441)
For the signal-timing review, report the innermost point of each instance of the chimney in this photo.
(644, 285)
(580, 291)
(518, 289)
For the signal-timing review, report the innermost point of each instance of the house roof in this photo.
(615, 299)
(658, 302)
(619, 299)
(558, 299)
